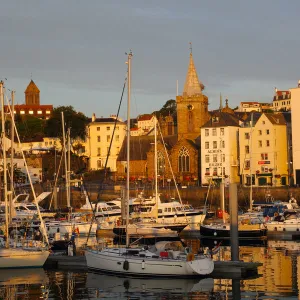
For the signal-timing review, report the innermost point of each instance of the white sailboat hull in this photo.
(107, 261)
(20, 258)
(287, 225)
(69, 227)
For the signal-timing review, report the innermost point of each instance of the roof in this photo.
(276, 118)
(224, 120)
(145, 117)
(140, 145)
(32, 88)
(105, 120)
(192, 84)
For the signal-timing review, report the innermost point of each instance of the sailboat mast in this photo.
(251, 185)
(12, 151)
(128, 144)
(155, 168)
(65, 158)
(4, 165)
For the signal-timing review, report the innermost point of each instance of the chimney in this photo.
(93, 117)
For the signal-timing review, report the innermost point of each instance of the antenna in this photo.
(191, 48)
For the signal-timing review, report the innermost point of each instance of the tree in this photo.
(169, 108)
(77, 121)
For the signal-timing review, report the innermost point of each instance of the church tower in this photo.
(32, 94)
(192, 106)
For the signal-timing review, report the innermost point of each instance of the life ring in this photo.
(190, 257)
(276, 214)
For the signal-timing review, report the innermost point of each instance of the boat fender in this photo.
(215, 233)
(143, 264)
(126, 265)
(190, 257)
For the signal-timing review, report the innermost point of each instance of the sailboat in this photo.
(159, 260)
(19, 257)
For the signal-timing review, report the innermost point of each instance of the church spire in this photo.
(192, 84)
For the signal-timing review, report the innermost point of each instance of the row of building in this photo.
(256, 143)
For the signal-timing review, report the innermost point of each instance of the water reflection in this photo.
(278, 280)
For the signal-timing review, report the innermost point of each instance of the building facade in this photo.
(100, 137)
(219, 149)
(282, 100)
(263, 150)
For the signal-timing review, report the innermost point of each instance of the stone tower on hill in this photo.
(192, 106)
(32, 94)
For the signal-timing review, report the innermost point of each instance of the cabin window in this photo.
(184, 160)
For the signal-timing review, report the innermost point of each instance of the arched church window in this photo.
(184, 160)
(161, 163)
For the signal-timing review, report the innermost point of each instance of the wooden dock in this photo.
(223, 269)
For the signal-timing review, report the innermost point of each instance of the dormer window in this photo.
(215, 119)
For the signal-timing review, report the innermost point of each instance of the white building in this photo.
(249, 107)
(219, 149)
(145, 125)
(295, 109)
(99, 136)
(282, 100)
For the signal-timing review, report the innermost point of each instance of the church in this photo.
(178, 150)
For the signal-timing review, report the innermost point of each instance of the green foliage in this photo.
(169, 108)
(29, 127)
(77, 121)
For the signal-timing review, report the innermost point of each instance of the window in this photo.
(268, 131)
(206, 145)
(98, 128)
(108, 138)
(117, 138)
(39, 112)
(222, 144)
(214, 132)
(184, 160)
(259, 132)
(215, 171)
(264, 156)
(207, 171)
(247, 135)
(98, 151)
(206, 132)
(215, 158)
(247, 149)
(223, 157)
(22, 112)
(207, 158)
(31, 112)
(260, 144)
(108, 128)
(99, 164)
(215, 144)
(247, 164)
(48, 112)
(267, 143)
(221, 131)
(161, 164)
(99, 138)
(264, 122)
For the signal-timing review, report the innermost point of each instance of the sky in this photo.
(75, 50)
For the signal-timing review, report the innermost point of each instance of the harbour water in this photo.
(278, 278)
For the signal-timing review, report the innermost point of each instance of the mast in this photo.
(12, 152)
(251, 186)
(4, 165)
(66, 163)
(69, 165)
(155, 168)
(128, 145)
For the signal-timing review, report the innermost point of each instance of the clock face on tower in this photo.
(190, 107)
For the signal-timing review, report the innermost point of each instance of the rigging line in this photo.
(170, 166)
(105, 166)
